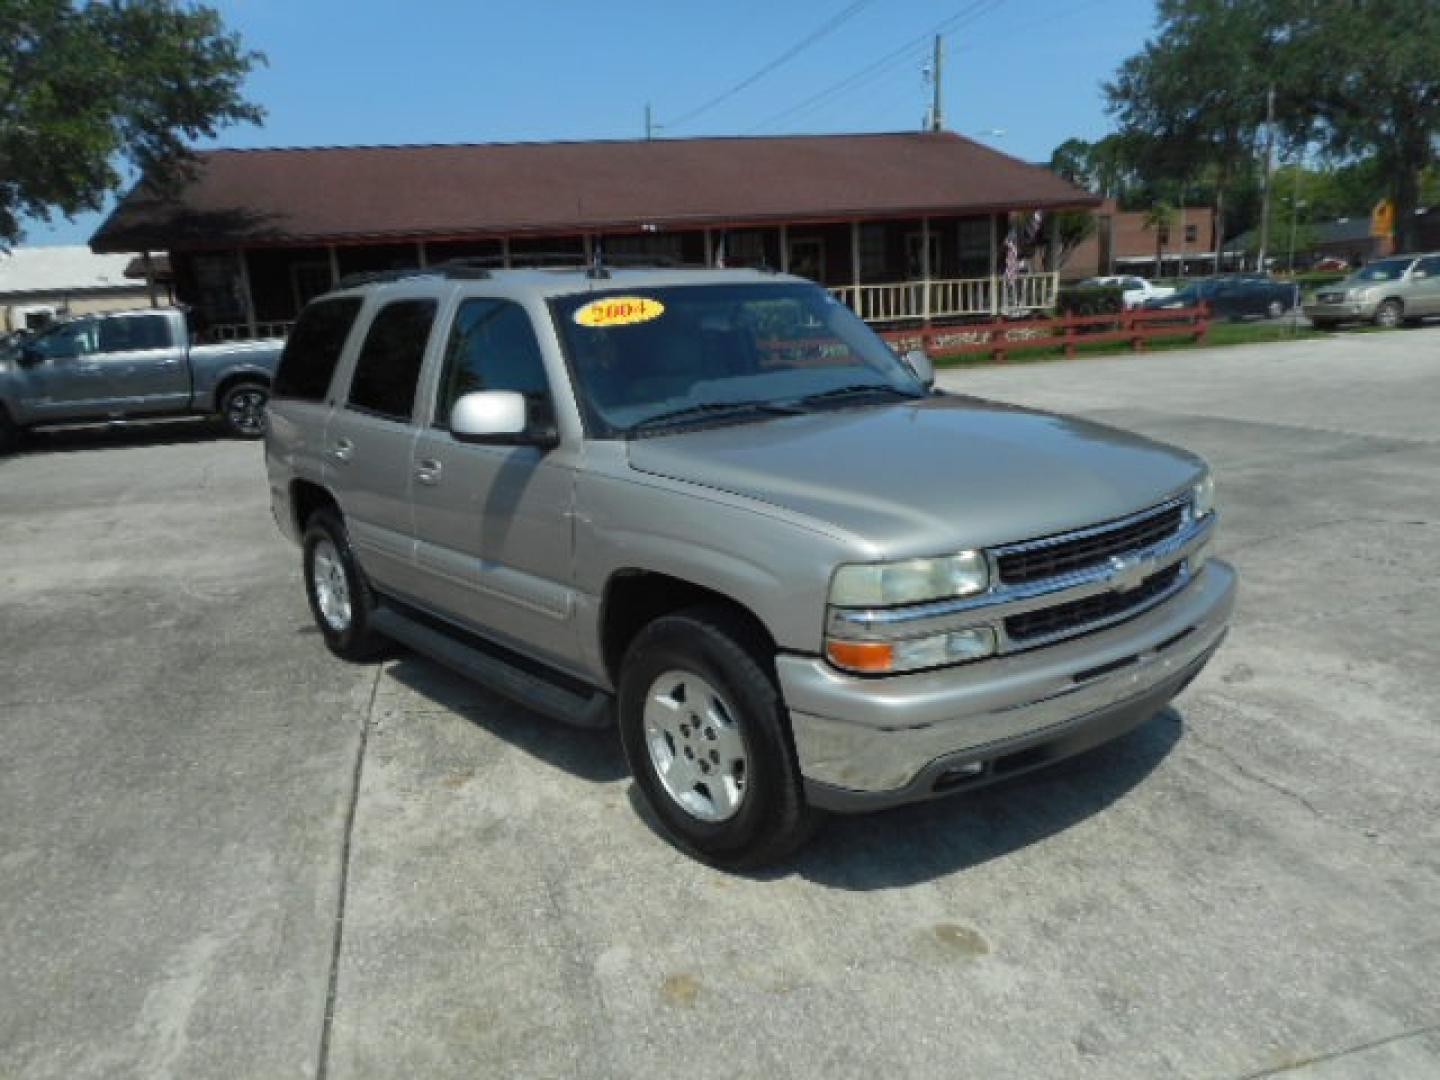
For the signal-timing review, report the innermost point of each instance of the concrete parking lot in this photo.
(226, 854)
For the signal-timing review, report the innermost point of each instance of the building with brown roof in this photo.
(905, 226)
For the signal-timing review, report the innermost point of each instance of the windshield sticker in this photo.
(619, 311)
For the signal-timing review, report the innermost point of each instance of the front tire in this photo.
(341, 599)
(1274, 309)
(242, 408)
(708, 741)
(1389, 314)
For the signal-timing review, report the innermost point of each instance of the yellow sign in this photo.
(619, 311)
(1382, 218)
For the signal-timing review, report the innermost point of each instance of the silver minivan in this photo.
(1387, 292)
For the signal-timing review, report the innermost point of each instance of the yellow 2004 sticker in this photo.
(619, 311)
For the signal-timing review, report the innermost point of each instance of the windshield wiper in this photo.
(715, 408)
(854, 390)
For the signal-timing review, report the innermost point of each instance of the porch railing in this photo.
(950, 298)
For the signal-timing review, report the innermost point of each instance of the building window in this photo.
(872, 252)
(1192, 233)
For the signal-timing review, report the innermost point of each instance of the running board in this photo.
(493, 671)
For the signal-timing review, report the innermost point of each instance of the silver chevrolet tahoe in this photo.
(128, 365)
(712, 507)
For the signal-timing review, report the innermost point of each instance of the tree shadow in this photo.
(132, 433)
(587, 754)
(928, 840)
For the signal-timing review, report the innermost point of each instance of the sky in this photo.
(1020, 75)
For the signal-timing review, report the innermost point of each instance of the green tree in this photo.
(88, 88)
(1160, 219)
(1366, 78)
(1192, 101)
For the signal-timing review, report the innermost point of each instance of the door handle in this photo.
(428, 471)
(342, 450)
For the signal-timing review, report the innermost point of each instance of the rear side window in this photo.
(492, 347)
(389, 363)
(134, 333)
(314, 349)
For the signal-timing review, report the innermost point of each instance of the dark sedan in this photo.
(1234, 296)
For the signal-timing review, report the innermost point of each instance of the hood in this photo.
(931, 476)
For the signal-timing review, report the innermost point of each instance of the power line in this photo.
(829, 26)
(906, 52)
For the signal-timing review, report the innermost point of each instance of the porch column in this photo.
(784, 249)
(334, 266)
(709, 248)
(925, 270)
(856, 302)
(587, 242)
(421, 261)
(149, 277)
(994, 266)
(249, 295)
(505, 252)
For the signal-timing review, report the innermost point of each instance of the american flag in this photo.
(1012, 257)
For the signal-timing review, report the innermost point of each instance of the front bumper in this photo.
(869, 743)
(1348, 311)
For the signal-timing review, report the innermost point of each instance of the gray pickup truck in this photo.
(128, 365)
(713, 507)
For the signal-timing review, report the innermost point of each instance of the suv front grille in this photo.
(1041, 560)
(1330, 297)
(1077, 615)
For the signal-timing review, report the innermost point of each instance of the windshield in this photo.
(644, 357)
(1385, 270)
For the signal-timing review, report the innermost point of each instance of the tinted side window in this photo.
(314, 349)
(389, 363)
(132, 333)
(493, 347)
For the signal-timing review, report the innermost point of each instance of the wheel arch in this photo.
(634, 598)
(306, 497)
(234, 378)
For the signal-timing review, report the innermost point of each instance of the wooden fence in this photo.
(1066, 331)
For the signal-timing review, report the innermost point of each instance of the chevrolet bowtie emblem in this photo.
(1127, 572)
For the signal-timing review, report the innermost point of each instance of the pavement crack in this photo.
(1320, 1059)
(322, 1064)
(1260, 778)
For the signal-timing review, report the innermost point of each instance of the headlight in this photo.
(910, 581)
(1202, 497)
(1359, 294)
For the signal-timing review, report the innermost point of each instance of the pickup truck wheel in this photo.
(708, 741)
(10, 433)
(243, 409)
(340, 596)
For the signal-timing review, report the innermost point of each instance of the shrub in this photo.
(1090, 300)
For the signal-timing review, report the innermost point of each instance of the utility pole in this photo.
(649, 124)
(937, 119)
(1269, 168)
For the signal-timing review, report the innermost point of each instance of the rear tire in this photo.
(10, 433)
(242, 408)
(341, 599)
(1389, 314)
(708, 740)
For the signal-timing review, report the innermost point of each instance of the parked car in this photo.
(1331, 263)
(130, 365)
(1235, 296)
(1136, 291)
(1387, 292)
(688, 501)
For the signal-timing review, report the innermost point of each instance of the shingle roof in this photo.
(60, 269)
(353, 193)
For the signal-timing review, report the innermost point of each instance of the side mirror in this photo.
(29, 355)
(497, 416)
(919, 363)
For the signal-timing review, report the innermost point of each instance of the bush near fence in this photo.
(1090, 300)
